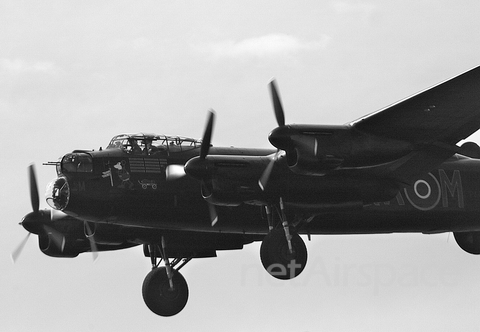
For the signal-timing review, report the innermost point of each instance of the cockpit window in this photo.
(77, 163)
(149, 144)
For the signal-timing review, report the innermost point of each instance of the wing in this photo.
(447, 112)
(433, 121)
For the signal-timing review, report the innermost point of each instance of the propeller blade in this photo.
(57, 237)
(204, 148)
(34, 198)
(93, 245)
(213, 213)
(277, 104)
(17, 252)
(174, 172)
(207, 136)
(57, 215)
(262, 182)
(206, 194)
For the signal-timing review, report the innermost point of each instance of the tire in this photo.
(277, 259)
(158, 296)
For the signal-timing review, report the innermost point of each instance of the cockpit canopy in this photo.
(150, 144)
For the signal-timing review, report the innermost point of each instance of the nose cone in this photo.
(34, 221)
(280, 137)
(197, 167)
(58, 193)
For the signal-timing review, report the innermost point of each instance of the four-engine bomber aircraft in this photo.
(395, 170)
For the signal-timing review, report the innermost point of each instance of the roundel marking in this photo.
(425, 193)
(421, 184)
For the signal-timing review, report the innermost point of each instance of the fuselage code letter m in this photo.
(454, 186)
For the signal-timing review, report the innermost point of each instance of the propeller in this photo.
(277, 104)
(213, 213)
(174, 172)
(89, 234)
(207, 135)
(200, 162)
(262, 182)
(280, 117)
(198, 167)
(204, 148)
(57, 237)
(18, 251)
(39, 221)
(57, 214)
(31, 221)
(34, 198)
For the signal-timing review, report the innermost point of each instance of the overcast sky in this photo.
(75, 73)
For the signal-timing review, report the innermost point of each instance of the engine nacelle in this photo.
(66, 247)
(470, 149)
(313, 150)
(316, 150)
(69, 237)
(306, 162)
(228, 180)
(468, 241)
(225, 193)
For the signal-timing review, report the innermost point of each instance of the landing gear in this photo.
(283, 252)
(164, 290)
(278, 259)
(160, 296)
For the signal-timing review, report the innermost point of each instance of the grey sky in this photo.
(75, 73)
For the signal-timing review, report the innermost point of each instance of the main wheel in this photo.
(276, 257)
(158, 295)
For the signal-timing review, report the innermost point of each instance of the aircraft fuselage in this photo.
(131, 189)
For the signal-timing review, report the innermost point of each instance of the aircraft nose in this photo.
(58, 193)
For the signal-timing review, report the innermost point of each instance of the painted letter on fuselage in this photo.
(454, 186)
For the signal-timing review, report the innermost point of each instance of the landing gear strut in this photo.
(164, 290)
(283, 252)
